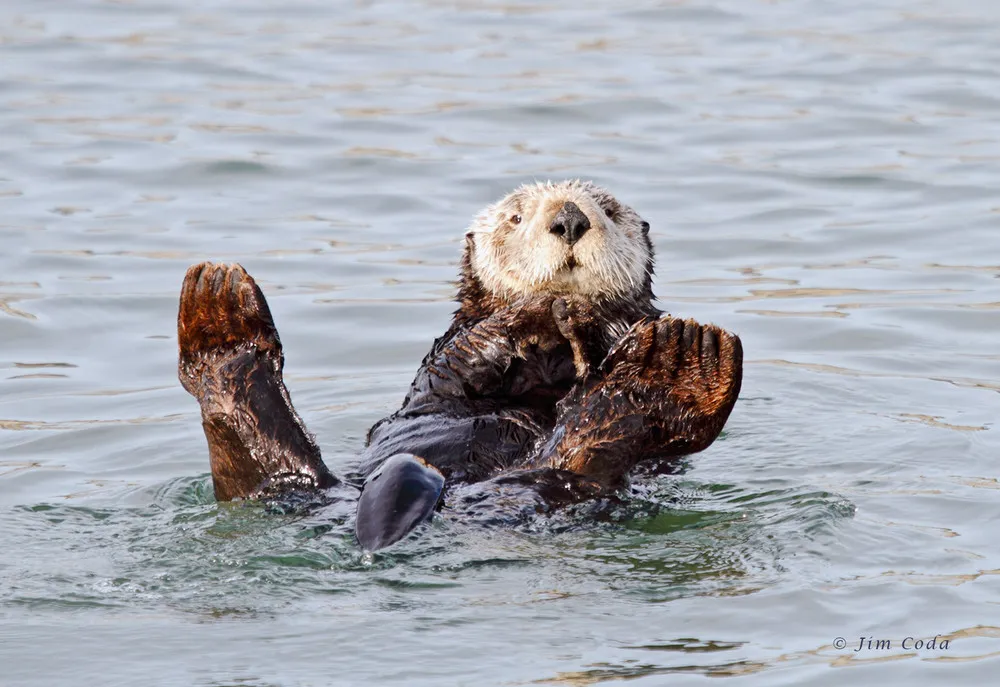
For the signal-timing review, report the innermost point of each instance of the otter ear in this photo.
(469, 247)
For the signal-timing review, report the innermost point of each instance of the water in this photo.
(820, 177)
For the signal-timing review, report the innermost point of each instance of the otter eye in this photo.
(610, 212)
(516, 219)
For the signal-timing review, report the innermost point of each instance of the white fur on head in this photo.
(514, 258)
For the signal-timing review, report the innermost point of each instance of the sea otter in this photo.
(557, 375)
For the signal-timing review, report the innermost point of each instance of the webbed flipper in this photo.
(231, 361)
(396, 498)
(665, 389)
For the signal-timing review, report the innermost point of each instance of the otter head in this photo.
(561, 238)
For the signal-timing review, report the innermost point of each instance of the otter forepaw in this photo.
(222, 311)
(577, 323)
(572, 322)
(530, 325)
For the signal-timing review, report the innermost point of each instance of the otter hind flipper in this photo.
(222, 308)
(666, 389)
(231, 361)
(399, 496)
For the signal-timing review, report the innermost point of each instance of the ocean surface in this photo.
(821, 177)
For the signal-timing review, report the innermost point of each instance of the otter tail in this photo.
(395, 499)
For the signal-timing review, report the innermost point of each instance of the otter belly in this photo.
(465, 449)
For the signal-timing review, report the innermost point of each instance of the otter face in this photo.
(561, 238)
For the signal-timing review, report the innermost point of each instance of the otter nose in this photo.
(570, 223)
